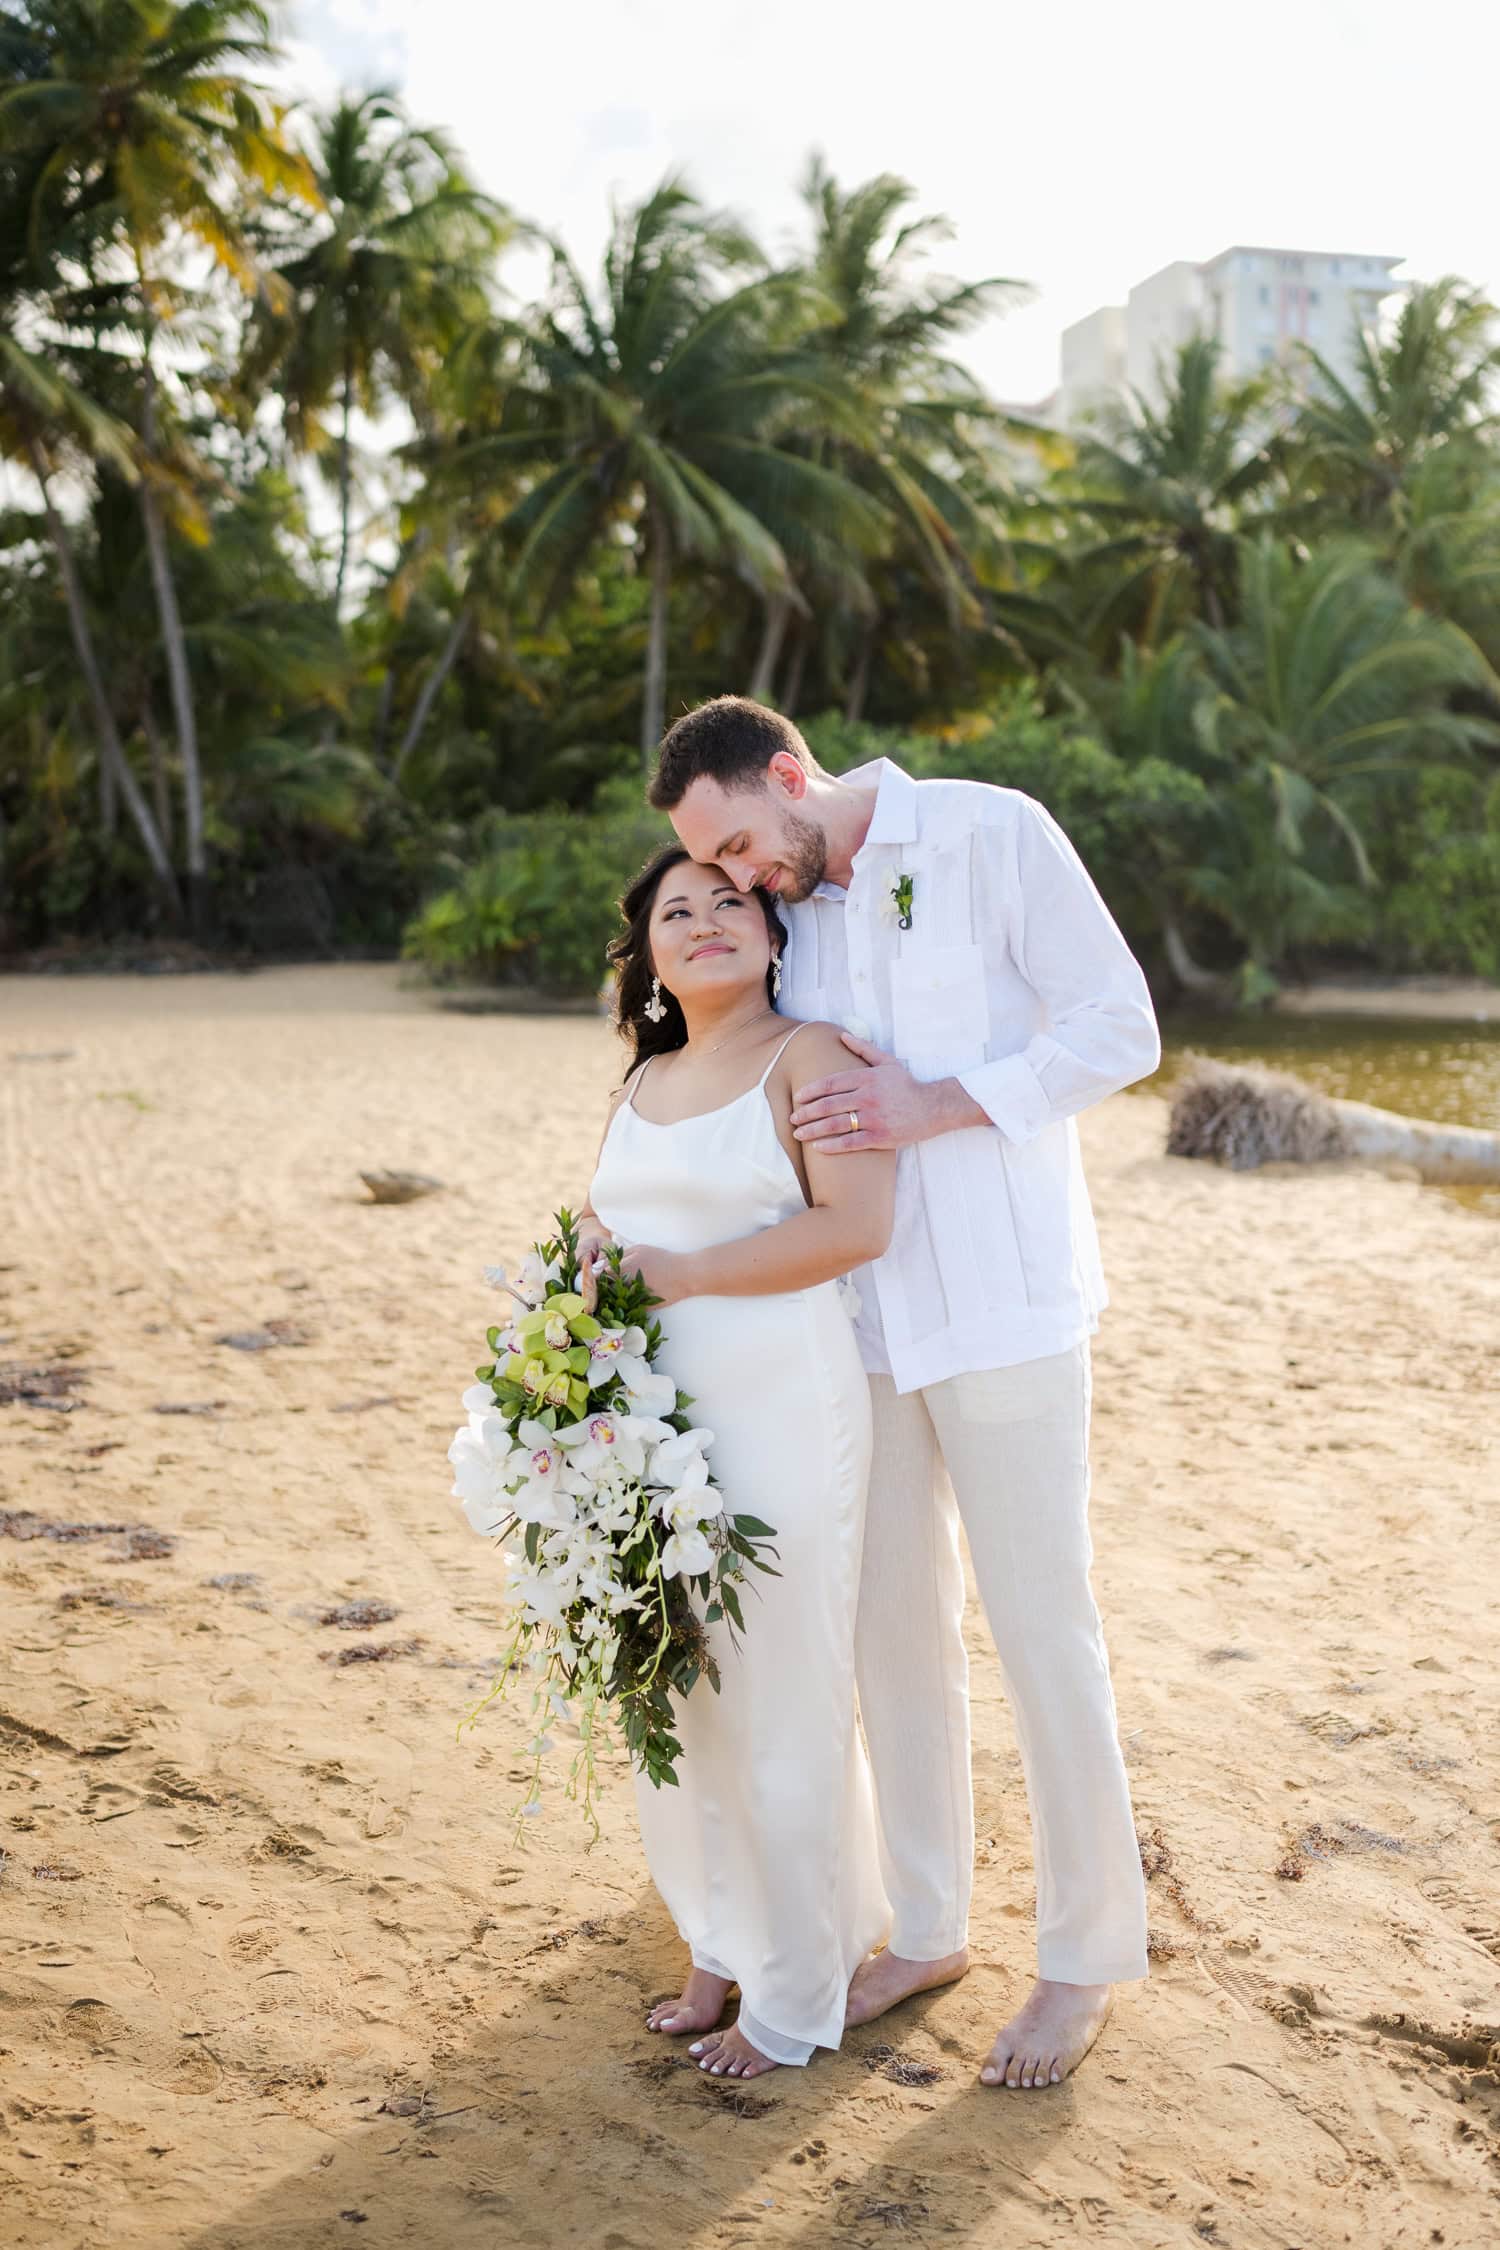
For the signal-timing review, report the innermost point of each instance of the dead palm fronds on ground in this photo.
(1245, 1117)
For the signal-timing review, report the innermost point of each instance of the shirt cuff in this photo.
(1010, 1094)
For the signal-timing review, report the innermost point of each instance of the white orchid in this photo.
(617, 1351)
(678, 1460)
(539, 1496)
(603, 1441)
(535, 1280)
(652, 1394)
(697, 1504)
(686, 1553)
(483, 1459)
(615, 1509)
(478, 1402)
(536, 1592)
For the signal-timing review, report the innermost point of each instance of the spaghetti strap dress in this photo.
(765, 1853)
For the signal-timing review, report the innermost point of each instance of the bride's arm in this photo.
(852, 1210)
(593, 1234)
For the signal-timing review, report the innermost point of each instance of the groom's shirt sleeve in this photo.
(1036, 898)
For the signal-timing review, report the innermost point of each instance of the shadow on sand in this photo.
(565, 2121)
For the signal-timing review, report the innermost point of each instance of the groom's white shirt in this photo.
(1014, 979)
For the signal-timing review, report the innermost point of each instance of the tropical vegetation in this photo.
(343, 591)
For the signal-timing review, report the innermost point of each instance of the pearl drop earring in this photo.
(654, 1007)
(776, 976)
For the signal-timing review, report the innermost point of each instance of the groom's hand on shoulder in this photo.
(892, 1107)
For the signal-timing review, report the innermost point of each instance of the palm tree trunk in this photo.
(654, 699)
(175, 648)
(778, 614)
(859, 686)
(383, 714)
(791, 693)
(344, 481)
(110, 751)
(161, 780)
(430, 686)
(109, 803)
(1189, 974)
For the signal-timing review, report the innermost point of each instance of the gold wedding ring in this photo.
(854, 1120)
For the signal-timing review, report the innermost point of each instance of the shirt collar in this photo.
(894, 820)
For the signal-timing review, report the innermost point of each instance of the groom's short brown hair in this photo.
(730, 740)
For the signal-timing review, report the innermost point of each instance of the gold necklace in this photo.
(739, 1027)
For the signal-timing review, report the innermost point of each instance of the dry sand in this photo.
(268, 1942)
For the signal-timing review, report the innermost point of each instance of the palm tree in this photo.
(1330, 695)
(1169, 486)
(380, 285)
(50, 425)
(152, 136)
(659, 408)
(905, 423)
(1426, 391)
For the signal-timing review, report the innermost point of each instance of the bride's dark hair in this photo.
(631, 954)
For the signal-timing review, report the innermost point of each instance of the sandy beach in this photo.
(268, 1940)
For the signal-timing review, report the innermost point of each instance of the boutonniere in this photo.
(897, 904)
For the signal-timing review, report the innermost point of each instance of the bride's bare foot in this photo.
(885, 1978)
(729, 2054)
(1051, 2035)
(697, 2008)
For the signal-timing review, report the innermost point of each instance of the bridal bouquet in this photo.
(579, 1455)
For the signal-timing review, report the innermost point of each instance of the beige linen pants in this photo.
(1014, 1442)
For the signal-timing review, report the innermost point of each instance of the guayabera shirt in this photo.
(1013, 978)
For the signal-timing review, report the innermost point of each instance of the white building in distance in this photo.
(1259, 303)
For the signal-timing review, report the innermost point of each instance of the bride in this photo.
(765, 1852)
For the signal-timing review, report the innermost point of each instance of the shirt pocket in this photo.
(940, 1010)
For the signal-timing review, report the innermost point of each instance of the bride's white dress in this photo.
(765, 1853)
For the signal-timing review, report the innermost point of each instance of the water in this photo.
(1449, 1072)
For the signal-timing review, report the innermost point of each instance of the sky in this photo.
(1078, 147)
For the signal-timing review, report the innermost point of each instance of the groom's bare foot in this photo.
(697, 2008)
(729, 2054)
(885, 1978)
(1051, 2035)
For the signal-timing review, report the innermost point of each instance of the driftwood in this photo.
(399, 1187)
(1245, 1116)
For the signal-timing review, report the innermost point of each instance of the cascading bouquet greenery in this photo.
(580, 1457)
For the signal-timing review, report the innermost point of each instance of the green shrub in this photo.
(1441, 910)
(540, 903)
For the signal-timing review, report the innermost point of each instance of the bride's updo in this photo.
(630, 953)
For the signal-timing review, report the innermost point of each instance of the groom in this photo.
(952, 928)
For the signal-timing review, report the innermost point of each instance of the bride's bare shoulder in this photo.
(816, 1050)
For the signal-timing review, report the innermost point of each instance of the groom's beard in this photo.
(805, 858)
